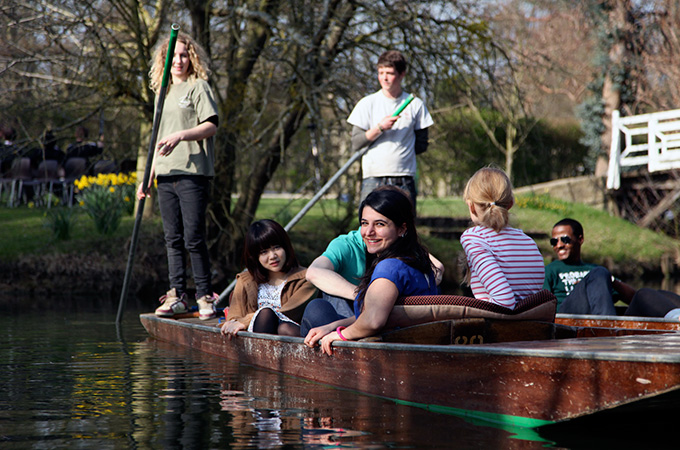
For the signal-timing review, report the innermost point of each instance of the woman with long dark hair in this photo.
(400, 267)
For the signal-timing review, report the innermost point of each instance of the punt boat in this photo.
(510, 373)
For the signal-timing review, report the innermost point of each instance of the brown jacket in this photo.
(294, 298)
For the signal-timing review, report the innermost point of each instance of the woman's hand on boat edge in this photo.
(327, 342)
(231, 327)
(316, 334)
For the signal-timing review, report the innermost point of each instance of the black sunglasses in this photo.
(566, 240)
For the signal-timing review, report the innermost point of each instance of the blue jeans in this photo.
(592, 295)
(183, 200)
(322, 311)
(406, 183)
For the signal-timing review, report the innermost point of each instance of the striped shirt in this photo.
(504, 267)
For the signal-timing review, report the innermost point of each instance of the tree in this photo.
(635, 71)
(304, 61)
(79, 62)
(282, 69)
(540, 77)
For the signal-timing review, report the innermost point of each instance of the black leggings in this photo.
(268, 322)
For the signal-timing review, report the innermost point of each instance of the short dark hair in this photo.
(262, 235)
(394, 59)
(575, 225)
(9, 132)
(82, 132)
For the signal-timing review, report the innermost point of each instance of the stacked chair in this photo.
(6, 181)
(48, 174)
(74, 168)
(26, 184)
(22, 181)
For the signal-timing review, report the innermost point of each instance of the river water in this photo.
(76, 380)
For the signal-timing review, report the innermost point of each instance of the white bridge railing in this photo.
(647, 139)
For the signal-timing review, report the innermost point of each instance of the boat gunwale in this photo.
(514, 349)
(613, 318)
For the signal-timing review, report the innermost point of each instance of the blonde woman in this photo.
(504, 264)
(184, 166)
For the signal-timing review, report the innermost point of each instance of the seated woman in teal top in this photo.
(401, 267)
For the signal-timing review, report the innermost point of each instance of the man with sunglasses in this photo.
(580, 288)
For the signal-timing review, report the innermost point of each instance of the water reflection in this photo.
(76, 381)
(269, 410)
(666, 284)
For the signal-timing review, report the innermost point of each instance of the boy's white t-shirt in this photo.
(393, 153)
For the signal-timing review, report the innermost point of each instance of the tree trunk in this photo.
(510, 136)
(142, 153)
(611, 98)
(229, 223)
(611, 89)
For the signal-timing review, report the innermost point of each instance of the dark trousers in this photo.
(183, 200)
(321, 312)
(592, 295)
(652, 303)
(406, 183)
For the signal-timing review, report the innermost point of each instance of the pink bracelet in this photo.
(338, 330)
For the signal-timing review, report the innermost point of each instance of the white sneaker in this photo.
(673, 314)
(206, 306)
(171, 304)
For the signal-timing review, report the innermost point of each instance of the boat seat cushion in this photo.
(430, 308)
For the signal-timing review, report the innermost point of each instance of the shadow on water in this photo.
(650, 423)
(103, 303)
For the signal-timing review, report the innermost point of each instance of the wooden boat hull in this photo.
(623, 322)
(525, 384)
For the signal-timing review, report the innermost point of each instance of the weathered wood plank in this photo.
(527, 383)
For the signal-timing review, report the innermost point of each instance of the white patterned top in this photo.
(269, 296)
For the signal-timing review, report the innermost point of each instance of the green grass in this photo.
(24, 233)
(608, 240)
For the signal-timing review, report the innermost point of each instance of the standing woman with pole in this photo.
(184, 166)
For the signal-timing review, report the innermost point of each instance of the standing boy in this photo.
(394, 141)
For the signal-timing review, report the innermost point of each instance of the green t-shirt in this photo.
(560, 277)
(187, 105)
(347, 252)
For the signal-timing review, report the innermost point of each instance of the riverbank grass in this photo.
(608, 240)
(26, 231)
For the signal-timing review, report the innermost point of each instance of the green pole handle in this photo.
(171, 53)
(403, 105)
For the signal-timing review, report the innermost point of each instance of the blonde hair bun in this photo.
(489, 187)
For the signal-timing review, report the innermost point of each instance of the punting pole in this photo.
(322, 191)
(147, 171)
